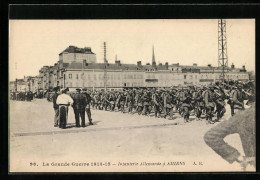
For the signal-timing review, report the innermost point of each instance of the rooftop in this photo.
(75, 49)
(118, 66)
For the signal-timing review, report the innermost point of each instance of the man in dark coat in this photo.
(56, 107)
(79, 106)
(88, 100)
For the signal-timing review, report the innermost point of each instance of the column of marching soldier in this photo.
(22, 96)
(209, 100)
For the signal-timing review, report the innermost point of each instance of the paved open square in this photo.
(115, 142)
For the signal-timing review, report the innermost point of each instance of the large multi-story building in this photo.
(119, 75)
(73, 53)
(82, 72)
(18, 85)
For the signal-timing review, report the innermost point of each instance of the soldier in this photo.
(64, 101)
(79, 105)
(135, 104)
(156, 102)
(168, 105)
(88, 100)
(250, 93)
(117, 102)
(209, 103)
(145, 99)
(186, 104)
(112, 100)
(139, 101)
(122, 101)
(97, 99)
(129, 101)
(56, 107)
(199, 104)
(236, 99)
(220, 102)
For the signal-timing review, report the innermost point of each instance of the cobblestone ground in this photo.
(113, 140)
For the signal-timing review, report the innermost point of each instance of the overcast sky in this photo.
(36, 43)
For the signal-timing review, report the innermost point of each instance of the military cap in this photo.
(64, 90)
(163, 90)
(55, 89)
(211, 86)
(78, 89)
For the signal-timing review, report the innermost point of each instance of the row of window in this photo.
(101, 76)
(101, 84)
(149, 76)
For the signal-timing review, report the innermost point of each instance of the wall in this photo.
(69, 57)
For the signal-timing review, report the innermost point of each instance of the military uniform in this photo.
(209, 104)
(157, 103)
(199, 104)
(168, 105)
(79, 106)
(236, 100)
(88, 101)
(186, 104)
(145, 98)
(139, 103)
(220, 103)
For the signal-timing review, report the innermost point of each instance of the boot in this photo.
(90, 122)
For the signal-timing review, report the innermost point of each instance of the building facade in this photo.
(77, 68)
(119, 75)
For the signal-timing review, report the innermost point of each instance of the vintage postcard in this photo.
(157, 95)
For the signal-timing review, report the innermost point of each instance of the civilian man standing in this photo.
(56, 107)
(79, 107)
(64, 100)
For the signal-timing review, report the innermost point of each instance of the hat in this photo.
(64, 90)
(55, 89)
(84, 89)
(78, 89)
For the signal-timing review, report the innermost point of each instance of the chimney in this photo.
(232, 66)
(166, 65)
(243, 67)
(178, 64)
(160, 64)
(139, 64)
(153, 59)
(209, 65)
(117, 62)
(195, 64)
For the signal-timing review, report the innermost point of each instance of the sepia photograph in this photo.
(132, 95)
